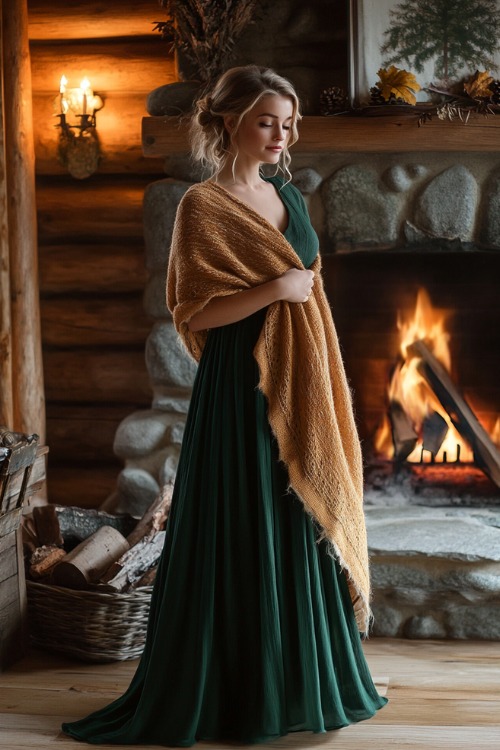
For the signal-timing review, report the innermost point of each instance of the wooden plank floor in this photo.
(443, 694)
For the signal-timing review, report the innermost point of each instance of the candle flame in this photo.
(62, 84)
(85, 87)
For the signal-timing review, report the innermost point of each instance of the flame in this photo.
(495, 432)
(411, 390)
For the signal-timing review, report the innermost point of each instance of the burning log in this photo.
(486, 453)
(404, 436)
(434, 430)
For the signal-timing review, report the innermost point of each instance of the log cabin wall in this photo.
(92, 272)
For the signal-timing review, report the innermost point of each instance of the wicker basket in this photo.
(90, 625)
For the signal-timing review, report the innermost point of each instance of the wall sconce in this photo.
(79, 148)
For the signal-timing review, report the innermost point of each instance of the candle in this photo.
(85, 87)
(62, 91)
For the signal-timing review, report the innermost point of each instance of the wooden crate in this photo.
(18, 454)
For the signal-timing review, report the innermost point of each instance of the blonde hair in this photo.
(234, 94)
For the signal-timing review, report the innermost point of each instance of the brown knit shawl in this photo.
(221, 246)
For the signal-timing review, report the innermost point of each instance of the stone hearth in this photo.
(435, 571)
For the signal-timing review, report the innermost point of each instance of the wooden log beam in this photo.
(28, 400)
(71, 268)
(85, 485)
(486, 454)
(164, 136)
(113, 321)
(97, 376)
(120, 66)
(83, 434)
(107, 208)
(94, 19)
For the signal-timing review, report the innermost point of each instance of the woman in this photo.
(263, 581)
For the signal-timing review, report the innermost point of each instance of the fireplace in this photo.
(370, 292)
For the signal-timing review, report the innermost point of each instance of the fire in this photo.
(410, 389)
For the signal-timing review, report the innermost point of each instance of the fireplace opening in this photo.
(420, 336)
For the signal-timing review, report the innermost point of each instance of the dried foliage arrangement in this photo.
(205, 31)
(479, 94)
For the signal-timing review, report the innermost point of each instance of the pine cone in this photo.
(377, 98)
(333, 99)
(495, 92)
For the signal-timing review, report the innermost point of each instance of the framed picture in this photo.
(440, 41)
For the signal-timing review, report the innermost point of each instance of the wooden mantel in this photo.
(163, 136)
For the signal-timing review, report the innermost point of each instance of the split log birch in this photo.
(86, 563)
(134, 563)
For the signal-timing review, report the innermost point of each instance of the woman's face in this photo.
(265, 129)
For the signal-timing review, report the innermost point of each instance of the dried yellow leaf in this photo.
(478, 86)
(401, 83)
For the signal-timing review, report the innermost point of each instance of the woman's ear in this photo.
(229, 123)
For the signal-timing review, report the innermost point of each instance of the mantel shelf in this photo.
(164, 136)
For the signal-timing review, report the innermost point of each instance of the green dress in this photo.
(251, 632)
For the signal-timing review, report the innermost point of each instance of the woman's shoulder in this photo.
(288, 190)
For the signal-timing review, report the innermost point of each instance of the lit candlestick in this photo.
(85, 88)
(62, 91)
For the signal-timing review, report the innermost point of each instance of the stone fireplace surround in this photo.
(435, 567)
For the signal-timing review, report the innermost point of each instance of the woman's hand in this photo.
(292, 286)
(295, 285)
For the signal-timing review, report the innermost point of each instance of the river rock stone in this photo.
(166, 398)
(424, 626)
(136, 491)
(397, 178)
(169, 469)
(154, 299)
(176, 432)
(307, 180)
(475, 621)
(161, 199)
(491, 232)
(447, 206)
(167, 361)
(141, 433)
(172, 99)
(360, 211)
(184, 168)
(386, 620)
(387, 575)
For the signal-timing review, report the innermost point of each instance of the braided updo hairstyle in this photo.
(235, 93)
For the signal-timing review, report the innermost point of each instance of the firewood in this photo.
(486, 453)
(90, 558)
(77, 524)
(47, 525)
(434, 430)
(404, 436)
(44, 559)
(134, 563)
(147, 579)
(154, 518)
